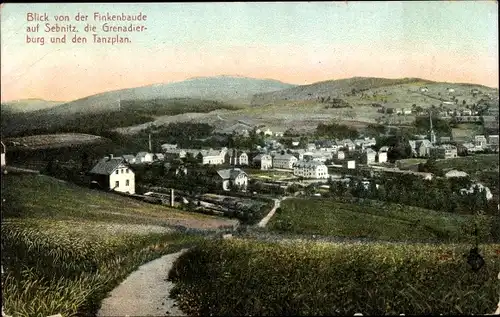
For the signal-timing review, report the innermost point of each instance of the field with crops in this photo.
(243, 277)
(376, 220)
(64, 247)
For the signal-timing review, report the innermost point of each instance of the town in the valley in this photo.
(255, 160)
(250, 159)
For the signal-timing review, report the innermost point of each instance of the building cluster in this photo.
(244, 129)
(443, 148)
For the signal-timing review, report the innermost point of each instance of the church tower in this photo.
(432, 135)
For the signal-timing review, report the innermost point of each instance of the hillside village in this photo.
(413, 169)
(319, 162)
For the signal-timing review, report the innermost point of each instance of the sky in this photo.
(295, 42)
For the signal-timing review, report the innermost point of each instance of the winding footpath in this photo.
(265, 220)
(145, 292)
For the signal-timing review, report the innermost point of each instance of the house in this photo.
(406, 111)
(351, 164)
(174, 153)
(310, 169)
(236, 157)
(466, 112)
(480, 141)
(382, 157)
(444, 139)
(113, 174)
(423, 148)
(451, 90)
(327, 146)
(424, 89)
(159, 157)
(359, 142)
(279, 133)
(493, 140)
(264, 130)
(295, 143)
(285, 161)
(370, 142)
(341, 155)
(311, 147)
(240, 129)
(477, 187)
(470, 147)
(130, 159)
(444, 151)
(384, 148)
(144, 157)
(382, 154)
(317, 156)
(264, 161)
(369, 156)
(212, 157)
(299, 153)
(4, 151)
(168, 146)
(348, 144)
(455, 173)
(233, 177)
(179, 169)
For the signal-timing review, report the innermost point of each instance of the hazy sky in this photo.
(455, 41)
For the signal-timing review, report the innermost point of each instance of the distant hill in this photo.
(28, 105)
(229, 89)
(129, 112)
(330, 88)
(361, 89)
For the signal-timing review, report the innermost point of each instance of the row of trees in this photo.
(334, 130)
(437, 194)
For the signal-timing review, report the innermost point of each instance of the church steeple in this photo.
(432, 135)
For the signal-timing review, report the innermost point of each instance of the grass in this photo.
(64, 247)
(471, 164)
(238, 277)
(375, 220)
(466, 131)
(269, 175)
(32, 196)
(406, 163)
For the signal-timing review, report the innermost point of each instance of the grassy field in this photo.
(466, 131)
(472, 164)
(57, 140)
(269, 175)
(64, 247)
(376, 220)
(242, 277)
(32, 196)
(407, 163)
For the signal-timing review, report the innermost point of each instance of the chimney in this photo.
(171, 197)
(110, 156)
(150, 149)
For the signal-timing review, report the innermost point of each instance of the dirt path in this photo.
(265, 220)
(145, 292)
(277, 204)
